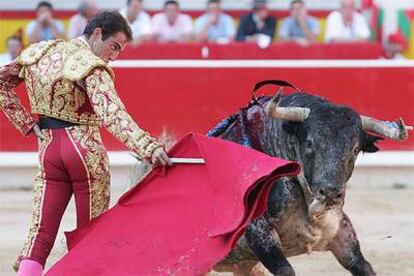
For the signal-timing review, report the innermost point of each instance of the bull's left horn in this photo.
(393, 130)
(294, 114)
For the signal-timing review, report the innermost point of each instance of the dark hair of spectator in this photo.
(111, 22)
(213, 1)
(14, 37)
(83, 8)
(129, 2)
(170, 2)
(44, 4)
(297, 2)
(258, 4)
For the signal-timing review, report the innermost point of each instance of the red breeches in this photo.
(72, 160)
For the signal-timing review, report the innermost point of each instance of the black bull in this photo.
(304, 213)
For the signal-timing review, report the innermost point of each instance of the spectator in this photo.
(346, 24)
(77, 23)
(395, 46)
(214, 25)
(258, 25)
(171, 25)
(299, 26)
(45, 27)
(14, 46)
(138, 20)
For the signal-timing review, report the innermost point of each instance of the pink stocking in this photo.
(30, 268)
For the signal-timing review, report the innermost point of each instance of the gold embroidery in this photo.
(50, 93)
(9, 102)
(35, 51)
(97, 163)
(109, 107)
(62, 100)
(39, 189)
(80, 64)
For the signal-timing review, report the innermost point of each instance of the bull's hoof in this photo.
(363, 270)
(285, 271)
(368, 271)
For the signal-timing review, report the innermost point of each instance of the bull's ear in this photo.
(291, 127)
(369, 142)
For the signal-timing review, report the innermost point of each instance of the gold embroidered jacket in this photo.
(65, 80)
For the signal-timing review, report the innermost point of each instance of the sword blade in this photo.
(187, 160)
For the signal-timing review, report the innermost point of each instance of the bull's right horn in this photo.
(393, 130)
(294, 114)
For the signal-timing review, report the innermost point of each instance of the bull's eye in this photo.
(356, 151)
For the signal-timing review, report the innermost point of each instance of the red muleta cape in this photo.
(182, 221)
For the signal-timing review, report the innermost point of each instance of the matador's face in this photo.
(108, 49)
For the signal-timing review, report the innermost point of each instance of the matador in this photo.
(71, 93)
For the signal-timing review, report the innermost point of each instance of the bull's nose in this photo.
(331, 193)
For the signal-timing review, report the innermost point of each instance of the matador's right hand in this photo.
(160, 158)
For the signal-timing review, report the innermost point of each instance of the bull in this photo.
(304, 213)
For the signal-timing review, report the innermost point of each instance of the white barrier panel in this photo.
(381, 169)
(302, 63)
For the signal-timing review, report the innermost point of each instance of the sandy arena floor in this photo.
(383, 219)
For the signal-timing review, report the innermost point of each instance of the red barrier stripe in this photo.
(196, 99)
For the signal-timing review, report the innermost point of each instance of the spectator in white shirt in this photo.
(171, 25)
(346, 25)
(138, 20)
(14, 46)
(77, 23)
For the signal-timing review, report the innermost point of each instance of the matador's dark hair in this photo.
(111, 22)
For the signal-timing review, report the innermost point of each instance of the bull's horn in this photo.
(294, 114)
(393, 130)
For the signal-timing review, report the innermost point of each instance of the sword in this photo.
(178, 160)
(187, 160)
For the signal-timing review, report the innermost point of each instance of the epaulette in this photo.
(34, 52)
(80, 64)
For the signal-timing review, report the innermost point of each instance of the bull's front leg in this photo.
(345, 247)
(265, 243)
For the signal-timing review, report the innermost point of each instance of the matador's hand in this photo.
(160, 158)
(37, 132)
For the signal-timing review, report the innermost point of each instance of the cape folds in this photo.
(181, 221)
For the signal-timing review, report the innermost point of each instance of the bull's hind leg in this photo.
(345, 247)
(265, 243)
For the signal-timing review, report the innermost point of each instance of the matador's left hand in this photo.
(37, 132)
